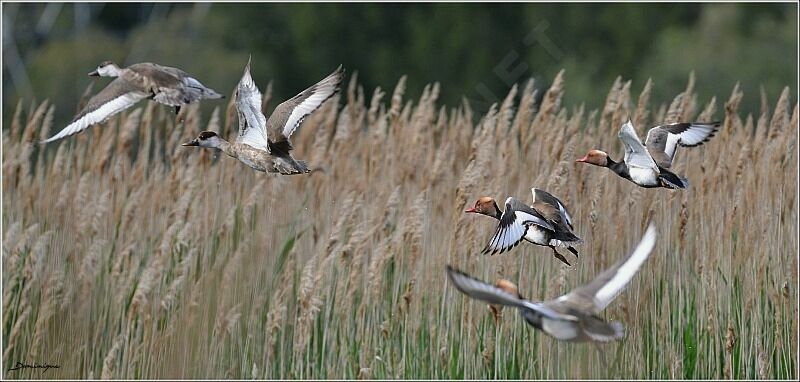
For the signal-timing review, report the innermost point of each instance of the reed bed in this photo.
(126, 255)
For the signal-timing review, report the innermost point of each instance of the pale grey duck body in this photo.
(163, 84)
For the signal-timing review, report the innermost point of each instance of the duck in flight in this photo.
(574, 316)
(547, 222)
(648, 165)
(263, 144)
(163, 84)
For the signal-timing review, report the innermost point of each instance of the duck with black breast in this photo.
(648, 165)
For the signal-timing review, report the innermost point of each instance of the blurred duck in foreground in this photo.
(263, 144)
(572, 317)
(648, 165)
(546, 223)
(163, 84)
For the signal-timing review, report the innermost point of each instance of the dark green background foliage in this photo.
(475, 51)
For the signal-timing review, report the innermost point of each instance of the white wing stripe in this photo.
(610, 290)
(696, 134)
(305, 108)
(672, 143)
(565, 213)
(100, 114)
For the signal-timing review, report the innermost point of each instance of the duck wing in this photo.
(597, 294)
(491, 294)
(636, 154)
(252, 122)
(662, 141)
(551, 207)
(513, 226)
(290, 114)
(116, 97)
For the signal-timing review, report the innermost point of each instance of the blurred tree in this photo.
(475, 51)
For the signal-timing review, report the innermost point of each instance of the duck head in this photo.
(106, 69)
(595, 157)
(486, 206)
(207, 139)
(508, 286)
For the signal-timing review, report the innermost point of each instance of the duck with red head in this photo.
(542, 224)
(596, 157)
(486, 206)
(648, 165)
(574, 316)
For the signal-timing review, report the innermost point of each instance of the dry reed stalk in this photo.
(153, 272)
(16, 124)
(524, 115)
(110, 362)
(90, 264)
(549, 107)
(642, 111)
(25, 242)
(34, 123)
(781, 115)
(397, 99)
(505, 115)
(276, 316)
(609, 107)
(381, 256)
(731, 112)
(376, 108)
(178, 283)
(48, 306)
(730, 342)
(413, 224)
(345, 215)
(622, 113)
(15, 331)
(308, 305)
(47, 124)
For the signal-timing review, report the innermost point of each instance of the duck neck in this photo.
(497, 213)
(618, 167)
(227, 148)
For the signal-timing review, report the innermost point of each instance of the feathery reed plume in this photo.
(397, 99)
(549, 107)
(640, 115)
(730, 342)
(610, 106)
(110, 361)
(49, 304)
(16, 123)
(781, 115)
(15, 330)
(524, 116)
(34, 123)
(177, 284)
(89, 265)
(308, 304)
